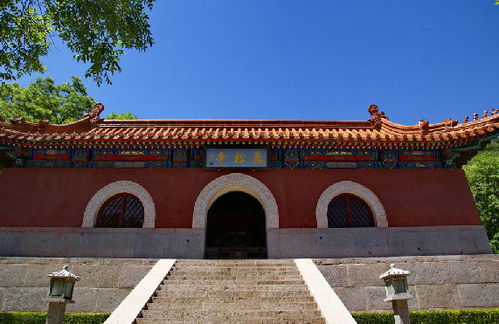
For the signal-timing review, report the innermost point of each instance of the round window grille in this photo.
(348, 210)
(122, 210)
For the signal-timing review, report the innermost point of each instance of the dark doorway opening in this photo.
(236, 228)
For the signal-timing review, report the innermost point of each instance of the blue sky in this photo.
(297, 59)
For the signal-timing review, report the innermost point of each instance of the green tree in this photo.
(97, 32)
(482, 172)
(43, 100)
(120, 116)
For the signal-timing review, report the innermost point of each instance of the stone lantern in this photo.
(60, 293)
(397, 292)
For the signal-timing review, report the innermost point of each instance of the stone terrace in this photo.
(104, 282)
(436, 282)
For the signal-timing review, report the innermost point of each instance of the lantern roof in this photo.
(394, 272)
(63, 274)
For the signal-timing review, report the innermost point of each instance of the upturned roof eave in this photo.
(375, 131)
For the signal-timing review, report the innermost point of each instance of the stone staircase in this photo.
(232, 291)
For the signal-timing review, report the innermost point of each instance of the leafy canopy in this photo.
(482, 172)
(43, 100)
(97, 32)
(120, 116)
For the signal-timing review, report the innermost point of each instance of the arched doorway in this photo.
(236, 227)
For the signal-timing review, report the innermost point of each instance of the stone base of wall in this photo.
(377, 241)
(436, 282)
(188, 243)
(104, 282)
(102, 242)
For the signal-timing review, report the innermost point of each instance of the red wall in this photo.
(58, 197)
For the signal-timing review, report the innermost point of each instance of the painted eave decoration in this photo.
(377, 131)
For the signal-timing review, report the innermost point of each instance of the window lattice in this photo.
(122, 210)
(348, 210)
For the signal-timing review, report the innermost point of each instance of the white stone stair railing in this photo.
(332, 308)
(132, 305)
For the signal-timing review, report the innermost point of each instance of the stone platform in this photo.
(437, 282)
(104, 283)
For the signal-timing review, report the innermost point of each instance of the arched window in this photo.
(347, 210)
(121, 210)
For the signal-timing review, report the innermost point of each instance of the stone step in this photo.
(232, 306)
(232, 264)
(235, 288)
(229, 294)
(242, 275)
(228, 299)
(229, 314)
(232, 291)
(233, 321)
(235, 267)
(231, 278)
(202, 271)
(245, 275)
(236, 263)
(225, 282)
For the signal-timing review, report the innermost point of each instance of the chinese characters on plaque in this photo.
(236, 158)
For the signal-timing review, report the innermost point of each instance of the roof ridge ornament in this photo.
(43, 124)
(376, 117)
(486, 113)
(18, 121)
(94, 113)
(449, 123)
(424, 126)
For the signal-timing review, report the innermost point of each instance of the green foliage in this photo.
(97, 32)
(120, 116)
(39, 318)
(482, 172)
(43, 100)
(373, 318)
(487, 316)
(481, 316)
(24, 39)
(85, 318)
